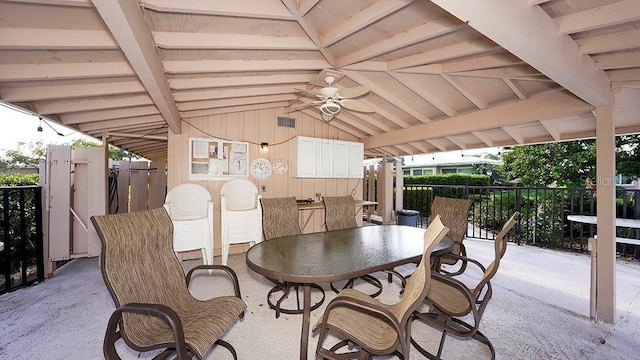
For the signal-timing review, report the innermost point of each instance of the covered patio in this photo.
(443, 75)
(540, 310)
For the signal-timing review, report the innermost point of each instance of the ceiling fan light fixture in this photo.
(330, 108)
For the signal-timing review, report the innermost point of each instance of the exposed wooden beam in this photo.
(58, 39)
(177, 40)
(131, 121)
(484, 138)
(211, 104)
(57, 71)
(536, 108)
(528, 33)
(126, 22)
(306, 5)
(337, 124)
(75, 105)
(418, 34)
(270, 9)
(232, 109)
(410, 82)
(387, 95)
(624, 75)
(518, 89)
(602, 16)
(184, 96)
(217, 66)
(457, 142)
(484, 62)
(514, 133)
(466, 91)
(89, 116)
(622, 40)
(311, 31)
(232, 81)
(552, 129)
(42, 93)
(75, 3)
(618, 60)
(362, 19)
(137, 136)
(461, 49)
(537, 2)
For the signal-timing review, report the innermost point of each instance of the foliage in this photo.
(448, 179)
(115, 153)
(628, 155)
(27, 155)
(18, 179)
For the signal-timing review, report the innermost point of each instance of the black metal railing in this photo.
(21, 260)
(543, 220)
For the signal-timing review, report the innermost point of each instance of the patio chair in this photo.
(240, 214)
(154, 309)
(191, 211)
(340, 213)
(453, 304)
(280, 218)
(377, 328)
(454, 213)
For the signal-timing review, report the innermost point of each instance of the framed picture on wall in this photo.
(217, 159)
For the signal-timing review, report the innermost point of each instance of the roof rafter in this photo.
(251, 9)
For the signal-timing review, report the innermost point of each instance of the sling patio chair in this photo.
(375, 327)
(340, 213)
(154, 309)
(454, 214)
(280, 219)
(453, 304)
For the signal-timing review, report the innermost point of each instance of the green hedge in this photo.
(448, 179)
(19, 179)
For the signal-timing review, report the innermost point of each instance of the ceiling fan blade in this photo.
(309, 92)
(356, 105)
(352, 92)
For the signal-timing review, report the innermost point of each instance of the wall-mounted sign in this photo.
(216, 159)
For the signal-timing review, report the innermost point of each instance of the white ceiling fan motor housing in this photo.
(330, 108)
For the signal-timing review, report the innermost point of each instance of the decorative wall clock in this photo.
(261, 168)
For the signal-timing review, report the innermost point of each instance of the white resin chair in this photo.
(240, 214)
(191, 211)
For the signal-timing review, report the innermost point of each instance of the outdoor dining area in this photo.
(430, 293)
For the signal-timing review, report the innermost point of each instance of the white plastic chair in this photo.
(240, 213)
(191, 211)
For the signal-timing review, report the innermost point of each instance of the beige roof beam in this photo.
(518, 89)
(528, 33)
(552, 129)
(410, 82)
(59, 39)
(261, 9)
(421, 146)
(42, 93)
(622, 40)
(624, 75)
(57, 71)
(131, 121)
(337, 124)
(537, 2)
(126, 22)
(536, 108)
(484, 62)
(466, 91)
(618, 60)
(457, 142)
(387, 95)
(310, 30)
(90, 116)
(231, 81)
(178, 40)
(598, 17)
(67, 106)
(362, 19)
(136, 136)
(461, 49)
(437, 143)
(101, 127)
(484, 138)
(226, 93)
(514, 134)
(305, 6)
(418, 34)
(77, 3)
(217, 66)
(233, 108)
(211, 104)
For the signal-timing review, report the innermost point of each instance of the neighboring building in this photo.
(462, 165)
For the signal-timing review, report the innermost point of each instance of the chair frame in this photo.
(181, 345)
(443, 316)
(398, 316)
(454, 213)
(272, 233)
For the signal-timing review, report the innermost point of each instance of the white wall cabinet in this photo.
(325, 158)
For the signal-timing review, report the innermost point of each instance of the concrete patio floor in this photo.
(539, 310)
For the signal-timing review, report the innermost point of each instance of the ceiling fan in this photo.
(332, 99)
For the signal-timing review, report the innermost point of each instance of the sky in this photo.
(20, 127)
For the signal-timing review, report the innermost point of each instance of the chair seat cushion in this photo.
(448, 298)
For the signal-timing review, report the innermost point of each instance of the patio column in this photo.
(606, 244)
(399, 186)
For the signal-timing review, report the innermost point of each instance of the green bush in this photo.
(19, 179)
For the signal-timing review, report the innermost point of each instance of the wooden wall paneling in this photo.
(59, 164)
(124, 179)
(80, 200)
(139, 186)
(157, 184)
(96, 201)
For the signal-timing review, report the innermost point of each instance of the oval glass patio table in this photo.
(337, 255)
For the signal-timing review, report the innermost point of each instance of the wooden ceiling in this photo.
(444, 75)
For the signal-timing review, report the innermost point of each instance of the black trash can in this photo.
(408, 217)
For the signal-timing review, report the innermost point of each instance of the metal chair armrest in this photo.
(228, 270)
(158, 310)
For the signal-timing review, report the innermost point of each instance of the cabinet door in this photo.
(305, 155)
(324, 158)
(341, 159)
(356, 160)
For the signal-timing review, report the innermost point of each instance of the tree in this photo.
(26, 155)
(115, 153)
